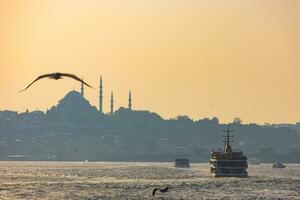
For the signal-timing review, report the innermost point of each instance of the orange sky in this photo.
(201, 58)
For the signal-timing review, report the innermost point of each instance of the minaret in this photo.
(129, 100)
(101, 96)
(82, 88)
(112, 103)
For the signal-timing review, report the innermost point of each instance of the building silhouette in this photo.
(74, 129)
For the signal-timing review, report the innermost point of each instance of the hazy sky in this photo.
(202, 58)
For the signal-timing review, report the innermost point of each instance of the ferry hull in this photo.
(230, 175)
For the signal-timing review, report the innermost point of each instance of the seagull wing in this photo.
(166, 189)
(38, 78)
(154, 191)
(76, 78)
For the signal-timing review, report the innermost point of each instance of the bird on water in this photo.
(57, 76)
(161, 190)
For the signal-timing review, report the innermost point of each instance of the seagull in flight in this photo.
(57, 76)
(161, 190)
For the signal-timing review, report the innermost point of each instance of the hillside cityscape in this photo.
(74, 130)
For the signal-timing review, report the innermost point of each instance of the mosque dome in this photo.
(73, 107)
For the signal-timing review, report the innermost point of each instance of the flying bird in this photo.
(57, 76)
(161, 190)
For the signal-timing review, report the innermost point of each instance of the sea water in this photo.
(128, 180)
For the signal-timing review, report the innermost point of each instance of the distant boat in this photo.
(182, 163)
(86, 161)
(278, 165)
(18, 157)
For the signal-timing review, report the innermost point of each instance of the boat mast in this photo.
(227, 147)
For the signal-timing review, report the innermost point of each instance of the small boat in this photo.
(278, 165)
(182, 163)
(18, 157)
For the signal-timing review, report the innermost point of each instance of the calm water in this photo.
(109, 180)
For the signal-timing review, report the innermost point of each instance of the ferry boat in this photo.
(182, 163)
(227, 162)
